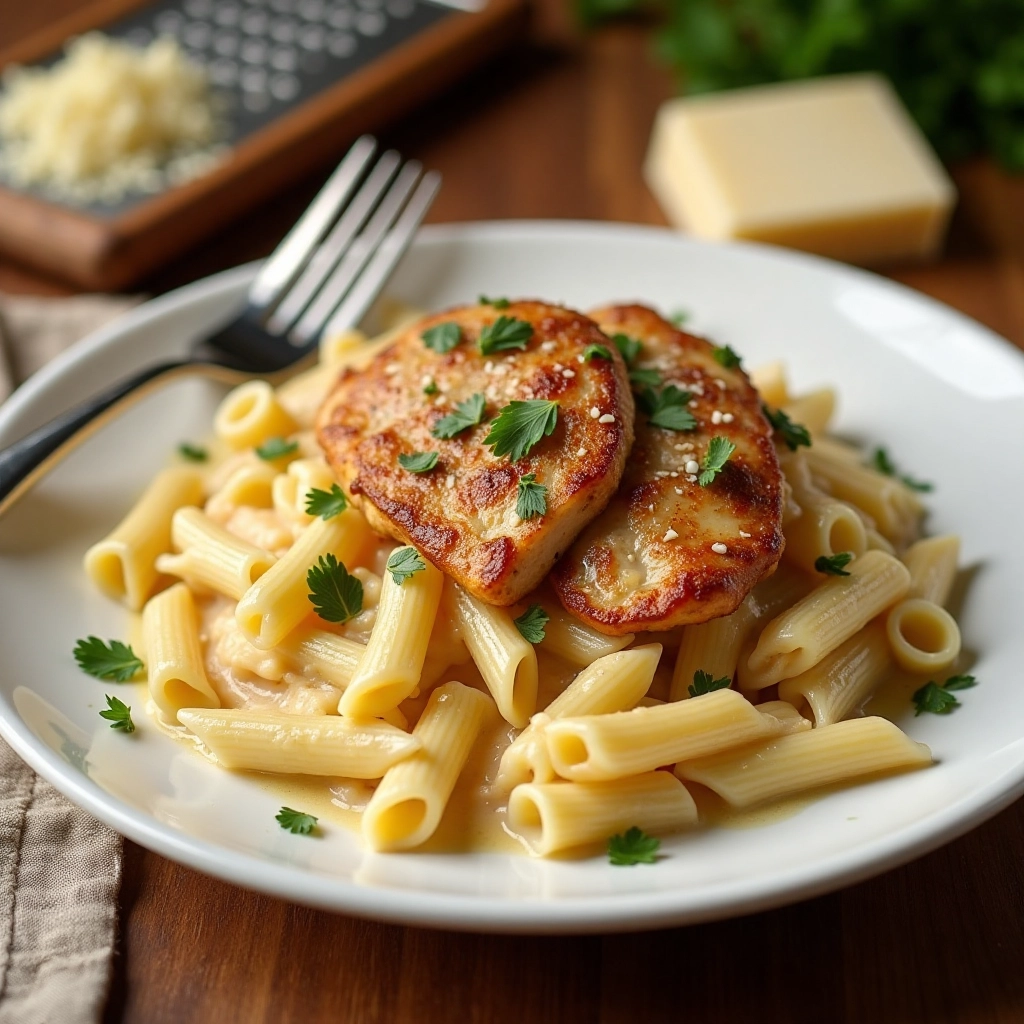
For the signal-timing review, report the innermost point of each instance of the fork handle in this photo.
(25, 461)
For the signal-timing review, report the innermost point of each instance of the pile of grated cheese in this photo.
(107, 119)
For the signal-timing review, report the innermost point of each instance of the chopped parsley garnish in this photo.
(629, 348)
(118, 714)
(531, 623)
(296, 822)
(531, 497)
(418, 462)
(431, 388)
(442, 338)
(834, 565)
(326, 504)
(276, 448)
(192, 452)
(679, 317)
(717, 455)
(505, 333)
(880, 461)
(496, 303)
(335, 594)
(520, 425)
(704, 683)
(792, 433)
(467, 414)
(667, 408)
(405, 562)
(596, 352)
(937, 699)
(726, 357)
(641, 377)
(115, 661)
(635, 847)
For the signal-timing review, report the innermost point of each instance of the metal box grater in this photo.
(296, 81)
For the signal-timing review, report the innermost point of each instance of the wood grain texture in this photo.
(560, 132)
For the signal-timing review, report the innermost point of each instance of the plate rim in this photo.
(570, 915)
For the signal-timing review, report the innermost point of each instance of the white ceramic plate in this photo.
(944, 394)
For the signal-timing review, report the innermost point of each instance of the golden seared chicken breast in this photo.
(487, 437)
(697, 520)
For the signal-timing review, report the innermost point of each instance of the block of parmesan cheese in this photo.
(832, 165)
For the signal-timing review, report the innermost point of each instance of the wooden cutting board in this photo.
(302, 78)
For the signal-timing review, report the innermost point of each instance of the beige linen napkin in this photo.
(60, 869)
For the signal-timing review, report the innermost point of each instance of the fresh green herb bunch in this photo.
(955, 63)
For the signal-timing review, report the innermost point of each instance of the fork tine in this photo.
(362, 248)
(288, 258)
(335, 245)
(391, 250)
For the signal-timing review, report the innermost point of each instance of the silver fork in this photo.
(321, 279)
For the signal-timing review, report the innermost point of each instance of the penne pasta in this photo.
(174, 658)
(278, 601)
(770, 380)
(813, 410)
(828, 616)
(923, 636)
(390, 668)
(575, 641)
(250, 484)
(807, 760)
(406, 807)
(507, 662)
(250, 415)
(290, 489)
(844, 679)
(211, 557)
(556, 816)
(300, 744)
(328, 655)
(615, 682)
(932, 563)
(123, 564)
(595, 748)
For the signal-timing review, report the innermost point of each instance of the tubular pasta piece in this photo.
(932, 565)
(250, 415)
(806, 760)
(924, 637)
(300, 744)
(560, 815)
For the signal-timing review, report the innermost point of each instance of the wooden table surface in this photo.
(557, 128)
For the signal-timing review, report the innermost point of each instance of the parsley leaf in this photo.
(834, 565)
(405, 562)
(937, 699)
(192, 452)
(431, 388)
(326, 504)
(679, 317)
(335, 594)
(496, 303)
(932, 697)
(635, 847)
(520, 425)
(629, 348)
(962, 682)
(726, 357)
(116, 661)
(442, 337)
(792, 433)
(506, 332)
(531, 623)
(467, 414)
(296, 822)
(703, 683)
(276, 448)
(641, 377)
(717, 455)
(418, 462)
(667, 408)
(880, 461)
(118, 714)
(596, 352)
(531, 497)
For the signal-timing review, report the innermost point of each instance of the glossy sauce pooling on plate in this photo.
(667, 551)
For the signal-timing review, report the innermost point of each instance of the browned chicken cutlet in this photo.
(462, 513)
(667, 551)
